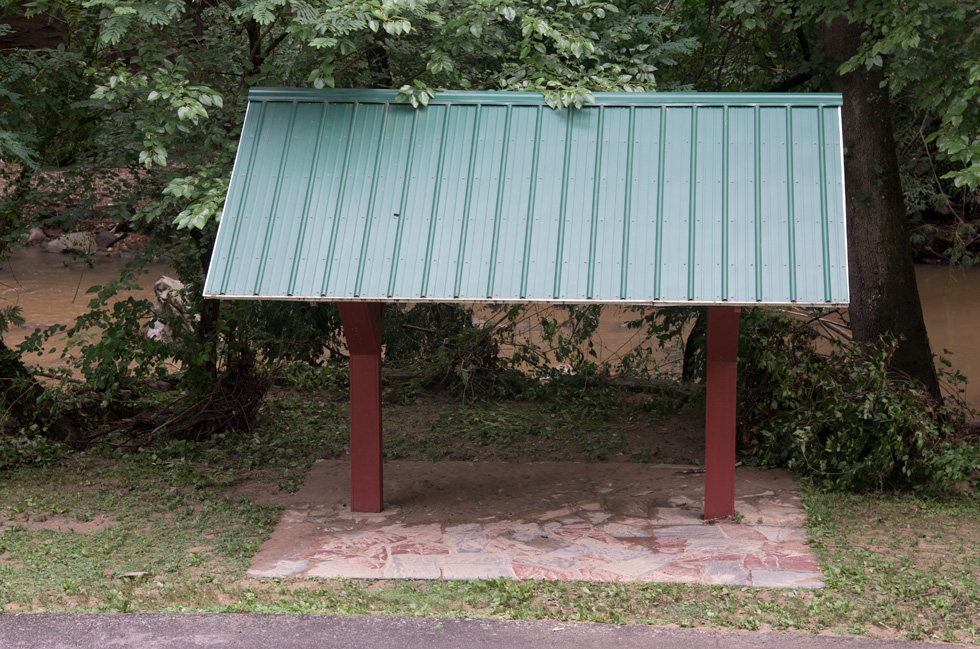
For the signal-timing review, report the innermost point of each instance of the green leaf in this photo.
(323, 42)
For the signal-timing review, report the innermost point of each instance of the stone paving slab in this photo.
(583, 527)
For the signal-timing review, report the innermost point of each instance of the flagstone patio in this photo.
(603, 522)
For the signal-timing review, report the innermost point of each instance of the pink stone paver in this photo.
(589, 542)
(752, 562)
(524, 571)
(799, 563)
(669, 542)
(710, 557)
(671, 550)
(578, 551)
(476, 567)
(418, 548)
(621, 531)
(744, 532)
(687, 571)
(412, 567)
(341, 570)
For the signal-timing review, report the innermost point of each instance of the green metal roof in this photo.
(493, 196)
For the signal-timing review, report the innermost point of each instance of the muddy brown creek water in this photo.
(51, 288)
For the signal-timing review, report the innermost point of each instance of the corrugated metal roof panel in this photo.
(655, 197)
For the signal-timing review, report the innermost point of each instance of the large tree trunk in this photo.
(884, 296)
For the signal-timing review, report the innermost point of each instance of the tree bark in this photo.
(884, 295)
(696, 340)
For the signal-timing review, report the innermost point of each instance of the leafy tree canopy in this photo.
(163, 81)
(929, 56)
(163, 78)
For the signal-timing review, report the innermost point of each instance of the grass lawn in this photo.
(174, 528)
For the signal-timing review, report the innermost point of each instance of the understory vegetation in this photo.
(809, 398)
(126, 116)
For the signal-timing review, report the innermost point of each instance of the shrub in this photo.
(440, 344)
(29, 446)
(831, 409)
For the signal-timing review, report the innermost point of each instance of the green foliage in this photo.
(180, 90)
(294, 331)
(289, 434)
(10, 314)
(17, 146)
(672, 327)
(40, 123)
(931, 47)
(157, 88)
(331, 376)
(839, 417)
(566, 339)
(644, 454)
(441, 344)
(205, 197)
(120, 355)
(581, 403)
(169, 108)
(29, 447)
(661, 404)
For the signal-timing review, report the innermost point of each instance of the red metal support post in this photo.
(719, 447)
(363, 323)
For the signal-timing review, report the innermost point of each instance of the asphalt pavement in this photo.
(177, 631)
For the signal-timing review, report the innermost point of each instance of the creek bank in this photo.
(104, 238)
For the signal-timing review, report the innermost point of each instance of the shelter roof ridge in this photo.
(517, 98)
(545, 300)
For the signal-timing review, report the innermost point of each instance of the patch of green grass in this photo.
(507, 430)
(111, 518)
(644, 454)
(659, 405)
(482, 430)
(170, 511)
(895, 565)
(329, 377)
(905, 563)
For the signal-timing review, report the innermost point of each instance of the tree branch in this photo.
(792, 82)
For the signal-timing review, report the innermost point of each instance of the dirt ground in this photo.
(463, 492)
(439, 426)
